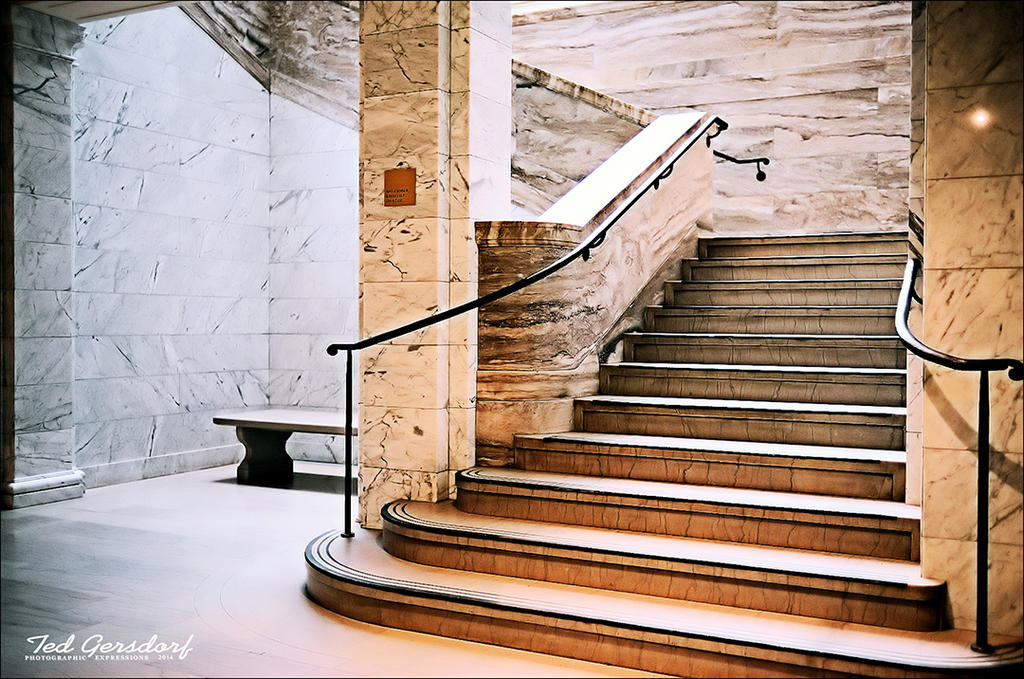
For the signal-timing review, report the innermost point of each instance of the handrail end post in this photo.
(348, 445)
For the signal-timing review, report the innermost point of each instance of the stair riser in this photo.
(884, 538)
(706, 350)
(772, 249)
(706, 583)
(842, 389)
(870, 481)
(683, 295)
(658, 320)
(553, 635)
(709, 271)
(861, 431)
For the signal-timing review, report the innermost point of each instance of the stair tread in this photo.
(735, 367)
(717, 445)
(895, 234)
(682, 402)
(749, 335)
(720, 495)
(446, 517)
(779, 307)
(359, 560)
(897, 282)
(806, 259)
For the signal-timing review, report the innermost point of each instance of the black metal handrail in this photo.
(983, 366)
(581, 251)
(760, 176)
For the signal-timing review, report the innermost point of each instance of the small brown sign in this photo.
(400, 187)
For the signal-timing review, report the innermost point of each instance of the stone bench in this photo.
(264, 431)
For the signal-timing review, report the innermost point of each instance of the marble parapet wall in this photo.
(561, 132)
(539, 348)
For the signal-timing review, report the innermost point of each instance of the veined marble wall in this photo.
(171, 250)
(39, 463)
(821, 88)
(185, 244)
(974, 249)
(313, 264)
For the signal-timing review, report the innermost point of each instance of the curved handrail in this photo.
(916, 346)
(581, 251)
(982, 366)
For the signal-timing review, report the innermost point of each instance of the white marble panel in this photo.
(108, 186)
(311, 315)
(209, 162)
(118, 398)
(123, 314)
(190, 431)
(312, 387)
(42, 407)
(320, 243)
(322, 170)
(995, 58)
(223, 390)
(126, 230)
(220, 352)
(43, 360)
(133, 67)
(99, 356)
(112, 144)
(306, 352)
(223, 241)
(132, 272)
(99, 98)
(42, 452)
(42, 266)
(42, 172)
(295, 129)
(42, 313)
(41, 123)
(991, 207)
(403, 438)
(311, 279)
(308, 207)
(202, 200)
(237, 91)
(42, 219)
(41, 76)
(981, 131)
(378, 486)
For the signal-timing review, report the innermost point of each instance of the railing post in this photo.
(981, 644)
(348, 444)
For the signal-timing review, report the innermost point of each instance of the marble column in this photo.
(435, 98)
(38, 464)
(973, 298)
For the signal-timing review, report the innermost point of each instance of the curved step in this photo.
(800, 267)
(851, 589)
(878, 528)
(357, 579)
(856, 426)
(825, 320)
(847, 472)
(790, 292)
(866, 386)
(888, 242)
(854, 351)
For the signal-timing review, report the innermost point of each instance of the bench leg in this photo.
(265, 463)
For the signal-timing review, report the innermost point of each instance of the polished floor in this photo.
(218, 569)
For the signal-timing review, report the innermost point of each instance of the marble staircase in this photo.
(731, 502)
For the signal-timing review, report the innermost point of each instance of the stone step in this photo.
(826, 320)
(865, 386)
(818, 523)
(855, 351)
(886, 242)
(789, 293)
(356, 578)
(862, 590)
(854, 426)
(824, 470)
(834, 267)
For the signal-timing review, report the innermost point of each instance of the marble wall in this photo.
(822, 88)
(973, 297)
(561, 131)
(186, 244)
(435, 97)
(170, 283)
(39, 462)
(313, 263)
